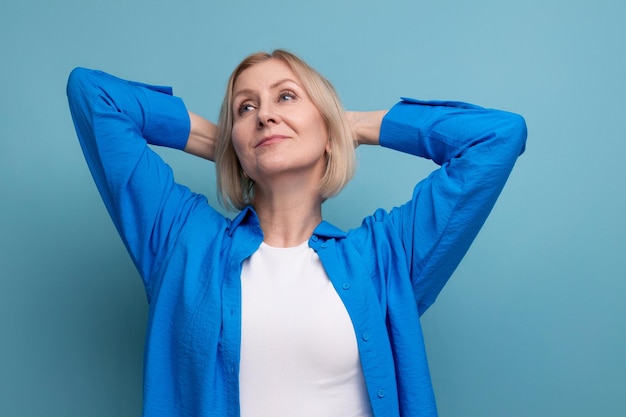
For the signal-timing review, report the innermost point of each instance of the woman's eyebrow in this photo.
(244, 92)
(249, 91)
(283, 81)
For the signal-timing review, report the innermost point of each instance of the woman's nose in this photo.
(267, 115)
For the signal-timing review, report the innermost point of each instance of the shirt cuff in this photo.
(167, 120)
(404, 125)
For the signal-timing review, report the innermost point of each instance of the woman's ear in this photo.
(329, 145)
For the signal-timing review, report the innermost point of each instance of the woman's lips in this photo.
(268, 140)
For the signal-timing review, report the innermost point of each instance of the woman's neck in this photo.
(288, 218)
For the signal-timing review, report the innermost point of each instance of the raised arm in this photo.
(115, 121)
(202, 135)
(366, 126)
(476, 149)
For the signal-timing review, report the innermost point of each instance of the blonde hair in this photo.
(235, 189)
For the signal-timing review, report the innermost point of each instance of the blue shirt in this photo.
(387, 272)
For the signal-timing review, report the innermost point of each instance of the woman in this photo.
(276, 312)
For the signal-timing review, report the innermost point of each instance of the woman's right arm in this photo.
(202, 135)
(115, 121)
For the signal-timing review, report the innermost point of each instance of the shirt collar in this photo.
(248, 216)
(325, 229)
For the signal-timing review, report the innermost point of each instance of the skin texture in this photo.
(278, 134)
(281, 141)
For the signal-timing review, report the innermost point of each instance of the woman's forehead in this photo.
(265, 75)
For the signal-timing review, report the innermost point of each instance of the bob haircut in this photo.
(236, 190)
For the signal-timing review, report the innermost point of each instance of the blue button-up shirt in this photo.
(387, 272)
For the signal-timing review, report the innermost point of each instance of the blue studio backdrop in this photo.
(533, 322)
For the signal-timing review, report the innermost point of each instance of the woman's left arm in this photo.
(366, 126)
(476, 149)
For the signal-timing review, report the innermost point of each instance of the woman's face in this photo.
(277, 130)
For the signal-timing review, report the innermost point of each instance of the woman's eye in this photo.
(287, 96)
(245, 107)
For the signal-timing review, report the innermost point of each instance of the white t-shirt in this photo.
(299, 355)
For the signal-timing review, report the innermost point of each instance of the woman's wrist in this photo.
(366, 126)
(202, 137)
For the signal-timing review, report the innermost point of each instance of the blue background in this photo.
(533, 322)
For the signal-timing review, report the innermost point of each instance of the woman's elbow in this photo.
(510, 133)
(76, 81)
(518, 132)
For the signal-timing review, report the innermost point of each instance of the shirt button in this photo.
(346, 285)
(381, 393)
(366, 336)
(314, 238)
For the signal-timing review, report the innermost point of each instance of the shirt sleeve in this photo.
(476, 149)
(115, 120)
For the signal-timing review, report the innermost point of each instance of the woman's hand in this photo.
(202, 136)
(366, 126)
